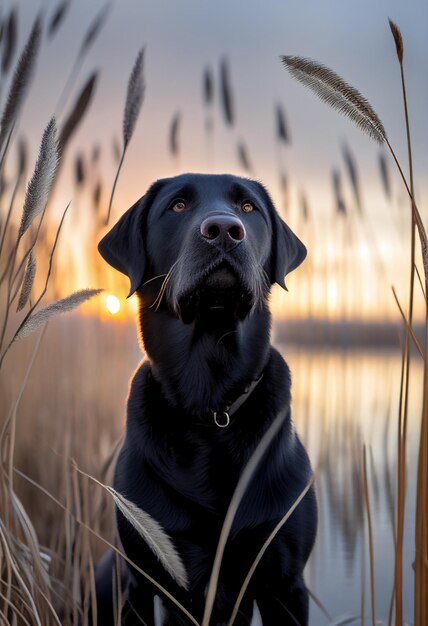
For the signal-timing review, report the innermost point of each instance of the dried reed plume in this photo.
(152, 532)
(243, 157)
(96, 195)
(384, 174)
(89, 38)
(351, 168)
(304, 205)
(94, 29)
(208, 87)
(60, 306)
(10, 40)
(58, 17)
(96, 153)
(173, 134)
(79, 170)
(333, 90)
(78, 111)
(134, 100)
(338, 195)
(20, 82)
(226, 93)
(396, 33)
(40, 184)
(282, 130)
(22, 158)
(27, 283)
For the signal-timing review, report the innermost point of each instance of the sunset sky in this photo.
(183, 38)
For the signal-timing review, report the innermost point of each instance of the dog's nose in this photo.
(227, 230)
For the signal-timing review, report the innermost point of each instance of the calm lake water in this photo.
(341, 401)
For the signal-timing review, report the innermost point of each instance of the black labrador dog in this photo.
(202, 252)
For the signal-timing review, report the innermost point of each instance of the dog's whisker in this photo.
(161, 294)
(162, 289)
(152, 279)
(158, 298)
(231, 332)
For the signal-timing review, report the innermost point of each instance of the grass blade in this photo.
(109, 545)
(265, 546)
(238, 494)
(370, 536)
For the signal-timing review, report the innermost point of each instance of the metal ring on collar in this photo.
(221, 423)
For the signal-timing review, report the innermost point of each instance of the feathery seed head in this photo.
(396, 33)
(20, 81)
(336, 92)
(41, 182)
(134, 98)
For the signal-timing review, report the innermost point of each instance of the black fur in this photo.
(206, 340)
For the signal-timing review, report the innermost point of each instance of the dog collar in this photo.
(222, 418)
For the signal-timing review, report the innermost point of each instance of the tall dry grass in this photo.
(32, 588)
(343, 97)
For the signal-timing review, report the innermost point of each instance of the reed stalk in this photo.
(370, 537)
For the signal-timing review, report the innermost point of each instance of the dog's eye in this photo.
(247, 207)
(179, 206)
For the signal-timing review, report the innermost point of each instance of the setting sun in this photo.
(112, 304)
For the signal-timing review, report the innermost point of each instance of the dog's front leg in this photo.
(139, 604)
(285, 603)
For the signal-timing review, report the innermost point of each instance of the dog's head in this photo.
(215, 242)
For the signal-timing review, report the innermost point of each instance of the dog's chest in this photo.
(201, 466)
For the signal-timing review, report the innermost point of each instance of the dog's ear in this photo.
(287, 251)
(123, 246)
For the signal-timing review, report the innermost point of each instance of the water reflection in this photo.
(342, 400)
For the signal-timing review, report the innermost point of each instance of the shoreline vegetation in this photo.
(346, 334)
